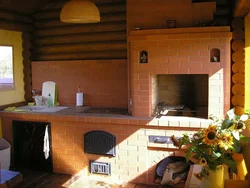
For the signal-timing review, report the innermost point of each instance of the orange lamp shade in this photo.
(80, 11)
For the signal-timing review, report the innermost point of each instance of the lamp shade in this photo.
(80, 11)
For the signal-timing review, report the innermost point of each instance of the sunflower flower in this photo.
(209, 135)
(203, 161)
(239, 126)
(225, 140)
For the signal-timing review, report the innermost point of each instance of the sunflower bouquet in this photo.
(216, 145)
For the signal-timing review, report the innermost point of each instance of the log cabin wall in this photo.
(14, 21)
(238, 65)
(148, 14)
(54, 40)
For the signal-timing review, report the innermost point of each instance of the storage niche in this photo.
(215, 55)
(143, 56)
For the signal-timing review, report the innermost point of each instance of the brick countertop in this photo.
(134, 151)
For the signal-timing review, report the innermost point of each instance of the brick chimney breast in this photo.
(180, 51)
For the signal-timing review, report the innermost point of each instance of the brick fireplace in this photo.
(199, 58)
(174, 56)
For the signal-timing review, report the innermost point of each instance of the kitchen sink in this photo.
(31, 108)
(41, 108)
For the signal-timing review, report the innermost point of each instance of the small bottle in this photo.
(50, 103)
(130, 106)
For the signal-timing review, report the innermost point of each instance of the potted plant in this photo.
(215, 146)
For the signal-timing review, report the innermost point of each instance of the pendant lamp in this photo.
(80, 11)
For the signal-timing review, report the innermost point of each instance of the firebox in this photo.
(180, 95)
(99, 142)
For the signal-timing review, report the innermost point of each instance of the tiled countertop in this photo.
(73, 113)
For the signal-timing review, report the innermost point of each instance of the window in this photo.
(6, 68)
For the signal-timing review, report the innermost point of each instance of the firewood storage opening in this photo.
(172, 171)
(28, 140)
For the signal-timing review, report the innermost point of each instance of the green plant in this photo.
(216, 144)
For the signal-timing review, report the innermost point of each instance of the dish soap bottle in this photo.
(50, 102)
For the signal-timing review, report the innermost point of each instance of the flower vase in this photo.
(246, 155)
(213, 178)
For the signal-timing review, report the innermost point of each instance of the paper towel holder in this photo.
(79, 97)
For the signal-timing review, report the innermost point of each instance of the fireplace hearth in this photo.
(180, 95)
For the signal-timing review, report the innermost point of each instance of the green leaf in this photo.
(181, 143)
(231, 164)
(243, 138)
(196, 156)
(212, 166)
(237, 146)
(226, 124)
(216, 155)
(184, 140)
(188, 155)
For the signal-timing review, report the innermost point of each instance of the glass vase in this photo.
(214, 178)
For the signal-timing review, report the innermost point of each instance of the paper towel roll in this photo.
(79, 99)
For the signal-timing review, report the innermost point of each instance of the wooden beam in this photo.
(242, 7)
(59, 4)
(15, 26)
(82, 28)
(109, 8)
(81, 47)
(109, 17)
(7, 15)
(84, 37)
(104, 9)
(120, 54)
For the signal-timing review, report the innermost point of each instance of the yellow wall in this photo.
(14, 38)
(0, 127)
(247, 62)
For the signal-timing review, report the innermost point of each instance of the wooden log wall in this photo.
(55, 40)
(27, 66)
(15, 21)
(18, 22)
(238, 65)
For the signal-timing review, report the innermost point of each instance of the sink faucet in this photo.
(36, 97)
